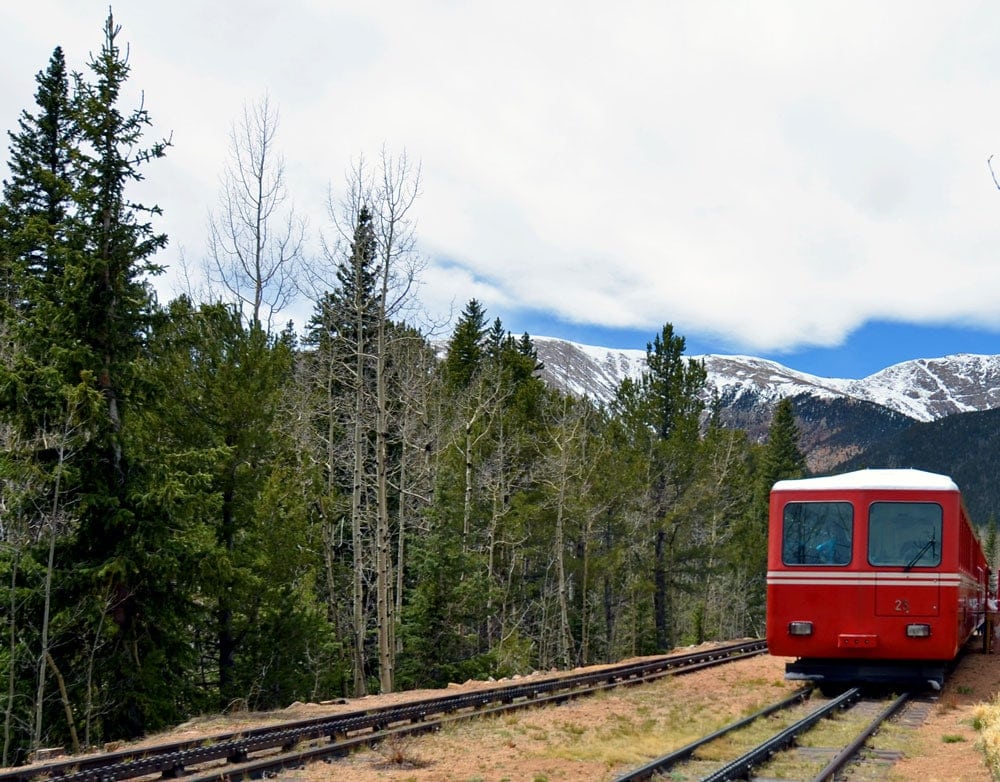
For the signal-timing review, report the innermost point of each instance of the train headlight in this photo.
(918, 631)
(800, 628)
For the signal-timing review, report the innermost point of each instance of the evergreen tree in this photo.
(353, 305)
(34, 249)
(782, 457)
(122, 552)
(116, 238)
(526, 347)
(76, 257)
(220, 426)
(990, 544)
(343, 330)
(466, 347)
(40, 406)
(672, 385)
(671, 391)
(496, 340)
(38, 197)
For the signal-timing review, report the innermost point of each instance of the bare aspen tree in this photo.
(413, 363)
(483, 402)
(568, 475)
(497, 487)
(255, 240)
(376, 268)
(718, 502)
(395, 195)
(479, 418)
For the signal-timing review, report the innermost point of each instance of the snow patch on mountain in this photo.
(922, 389)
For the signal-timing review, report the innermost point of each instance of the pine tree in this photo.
(672, 385)
(526, 347)
(122, 553)
(37, 198)
(466, 348)
(496, 341)
(221, 423)
(671, 390)
(118, 244)
(343, 329)
(782, 458)
(34, 216)
(77, 253)
(39, 401)
(34, 399)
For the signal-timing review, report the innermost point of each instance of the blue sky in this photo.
(805, 182)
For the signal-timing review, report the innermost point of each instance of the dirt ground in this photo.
(550, 744)
(943, 747)
(944, 750)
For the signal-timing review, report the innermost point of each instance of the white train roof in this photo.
(872, 479)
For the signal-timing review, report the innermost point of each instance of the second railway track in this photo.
(260, 751)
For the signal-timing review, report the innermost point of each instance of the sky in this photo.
(806, 182)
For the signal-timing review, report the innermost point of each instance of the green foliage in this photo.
(991, 542)
(439, 623)
(672, 386)
(964, 446)
(466, 347)
(221, 424)
(198, 477)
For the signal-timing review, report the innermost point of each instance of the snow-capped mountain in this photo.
(940, 414)
(922, 390)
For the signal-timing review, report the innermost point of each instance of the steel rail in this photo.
(665, 762)
(174, 758)
(275, 764)
(845, 756)
(739, 768)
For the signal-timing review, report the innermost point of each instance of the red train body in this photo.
(873, 576)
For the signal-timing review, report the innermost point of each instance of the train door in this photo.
(904, 551)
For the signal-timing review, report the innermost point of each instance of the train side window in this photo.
(904, 534)
(817, 533)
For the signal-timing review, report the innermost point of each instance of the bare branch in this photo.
(256, 244)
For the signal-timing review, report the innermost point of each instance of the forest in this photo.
(204, 510)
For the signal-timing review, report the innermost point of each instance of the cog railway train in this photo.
(874, 576)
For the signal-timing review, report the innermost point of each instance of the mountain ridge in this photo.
(924, 389)
(936, 414)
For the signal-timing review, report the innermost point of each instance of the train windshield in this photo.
(817, 533)
(904, 534)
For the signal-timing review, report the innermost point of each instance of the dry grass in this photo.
(986, 719)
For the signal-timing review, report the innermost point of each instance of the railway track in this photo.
(269, 750)
(755, 758)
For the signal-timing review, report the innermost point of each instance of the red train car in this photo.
(872, 576)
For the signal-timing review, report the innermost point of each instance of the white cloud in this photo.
(774, 173)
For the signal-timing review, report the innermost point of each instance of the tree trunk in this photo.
(224, 613)
(357, 542)
(12, 666)
(64, 695)
(383, 550)
(46, 610)
(565, 635)
(660, 597)
(584, 591)
(400, 550)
